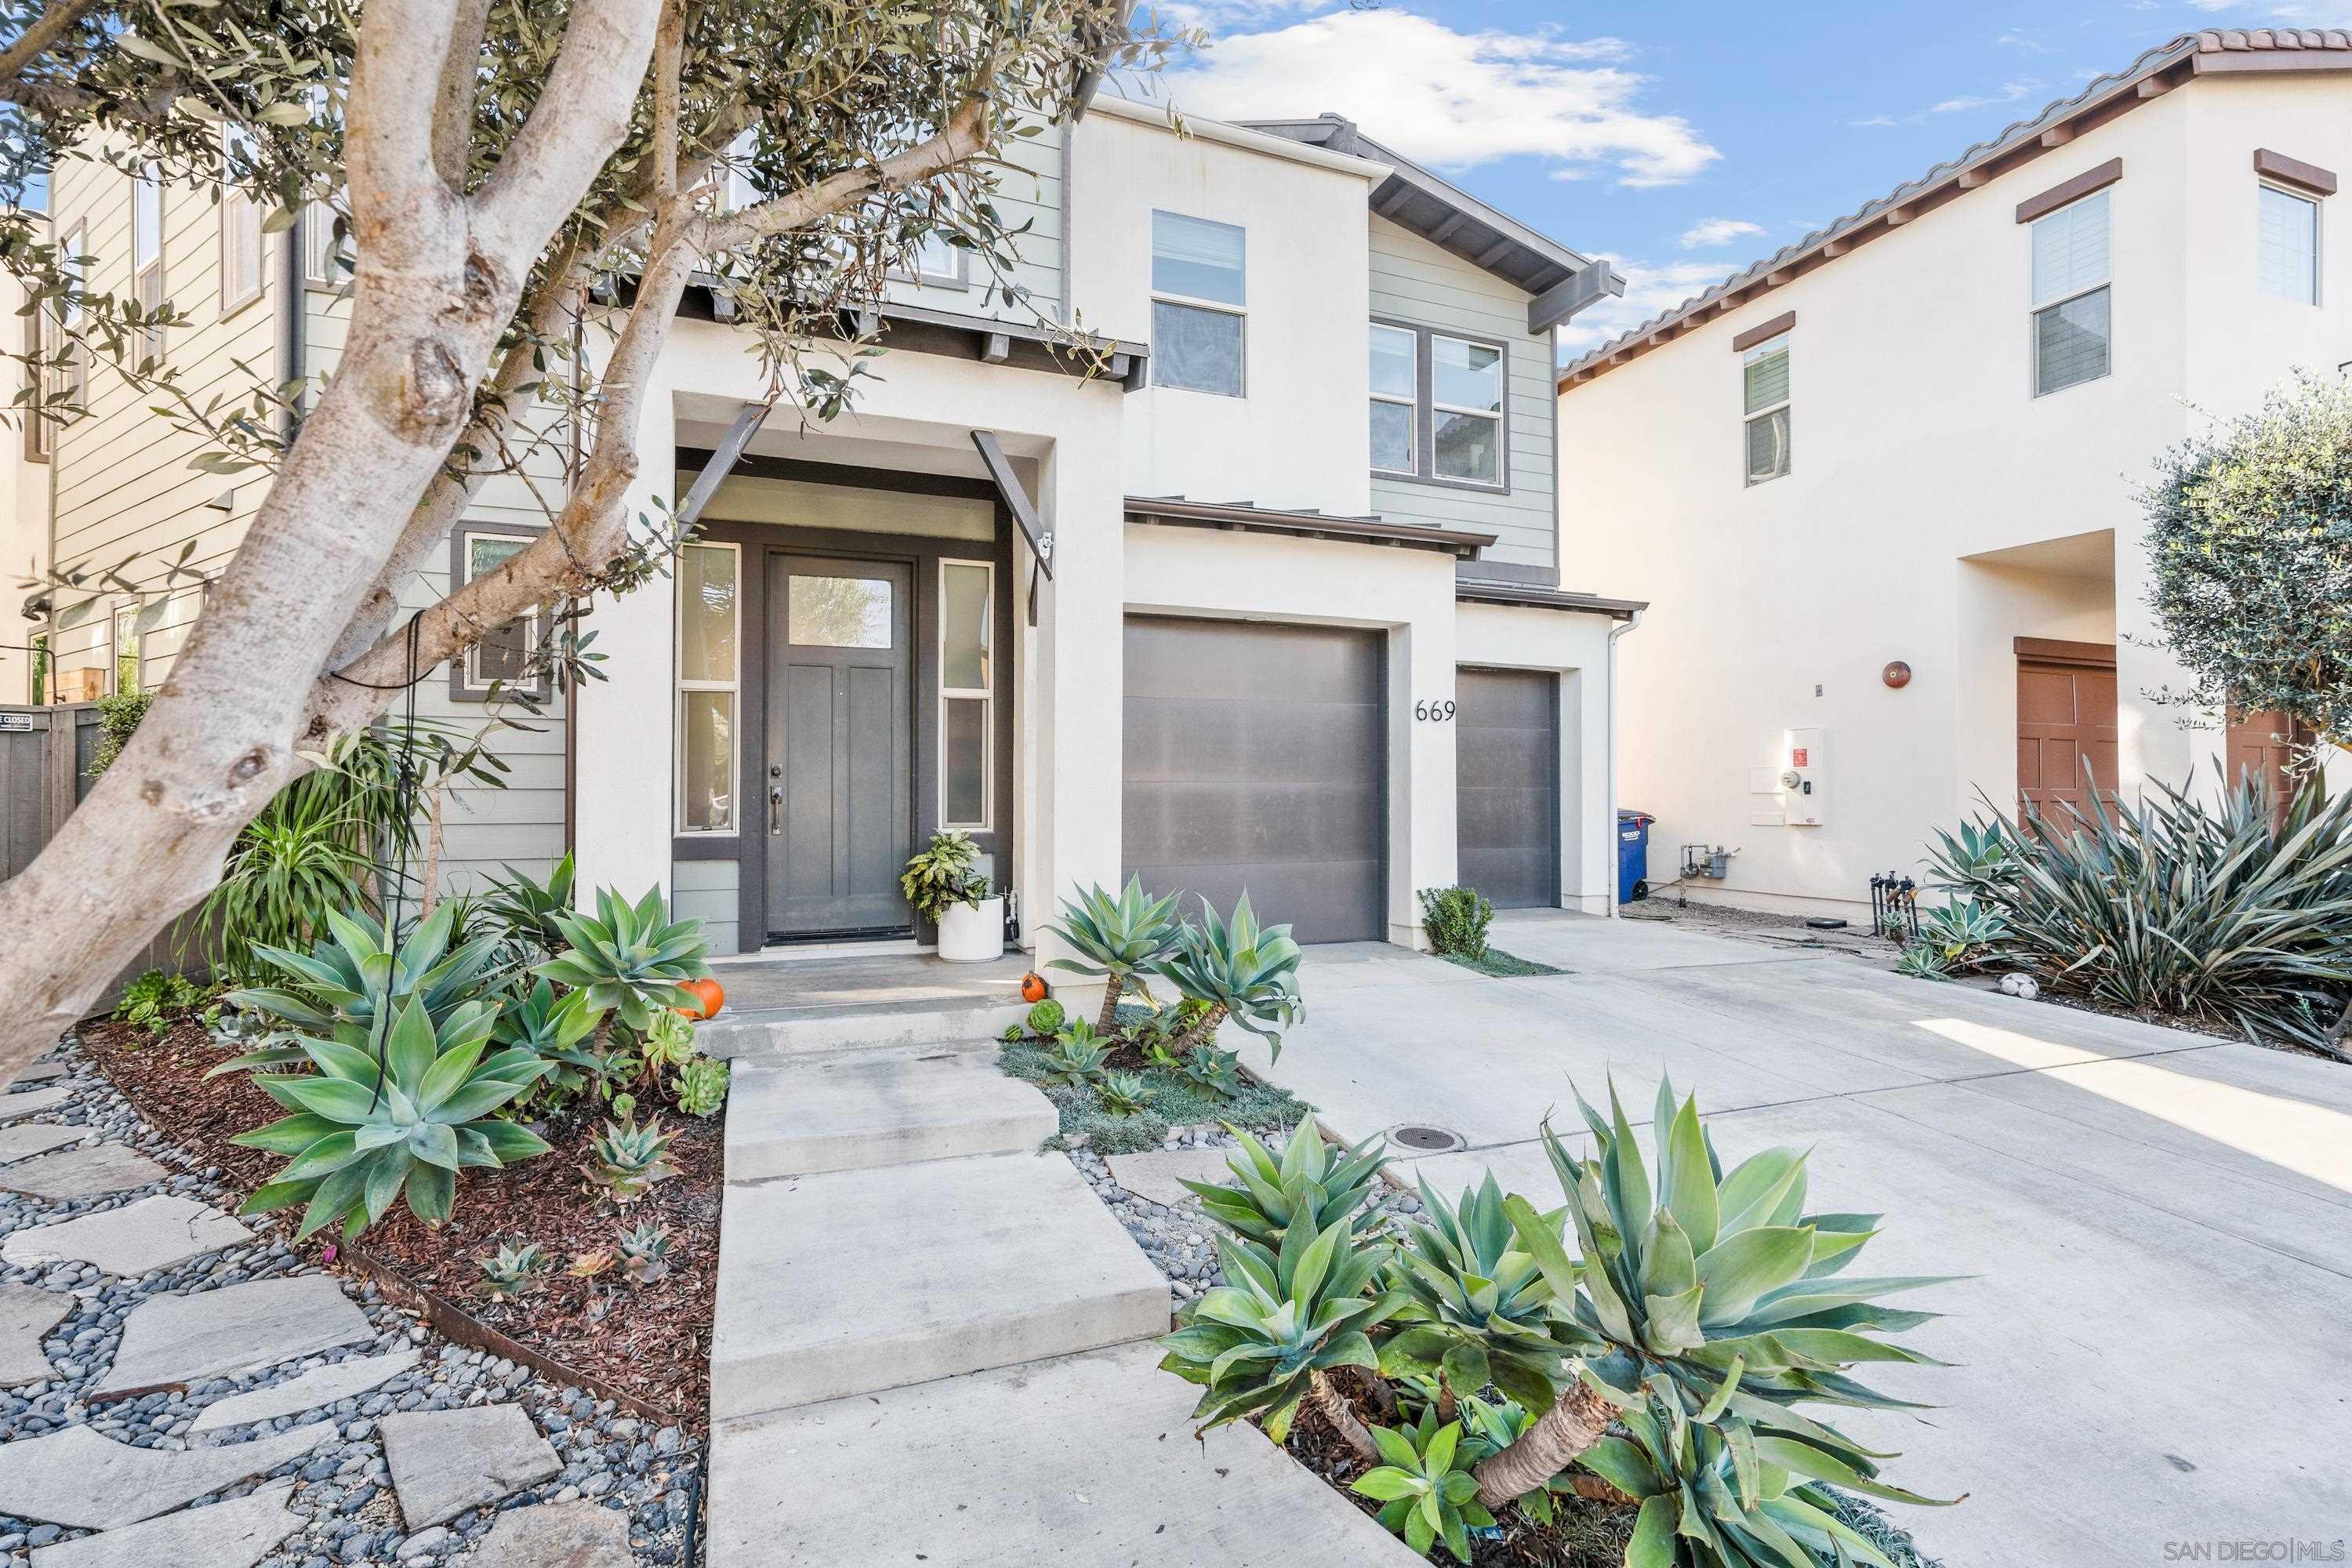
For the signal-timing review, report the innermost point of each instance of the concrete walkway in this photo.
(2154, 1348)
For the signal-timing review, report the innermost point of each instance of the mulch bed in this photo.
(651, 1342)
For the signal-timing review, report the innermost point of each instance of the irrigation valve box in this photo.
(1804, 780)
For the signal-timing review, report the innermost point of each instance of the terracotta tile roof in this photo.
(2153, 74)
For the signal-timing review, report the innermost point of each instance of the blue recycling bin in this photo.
(1632, 855)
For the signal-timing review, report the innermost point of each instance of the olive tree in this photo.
(508, 180)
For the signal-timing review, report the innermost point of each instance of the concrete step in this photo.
(853, 1281)
(789, 1117)
(1084, 1461)
(824, 1030)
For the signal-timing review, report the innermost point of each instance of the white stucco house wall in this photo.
(1915, 437)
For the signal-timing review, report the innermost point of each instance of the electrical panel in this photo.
(1804, 778)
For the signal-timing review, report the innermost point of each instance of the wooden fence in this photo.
(45, 755)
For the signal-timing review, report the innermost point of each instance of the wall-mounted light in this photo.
(1897, 675)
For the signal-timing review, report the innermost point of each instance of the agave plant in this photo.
(1978, 860)
(630, 958)
(363, 1135)
(1424, 1482)
(645, 1251)
(556, 1029)
(1123, 1092)
(528, 909)
(1121, 939)
(1269, 1338)
(626, 1158)
(1964, 931)
(1720, 1291)
(1077, 1056)
(349, 986)
(1923, 960)
(512, 1271)
(1312, 1186)
(1219, 1072)
(1242, 972)
(1480, 1310)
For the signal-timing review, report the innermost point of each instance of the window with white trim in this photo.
(2287, 261)
(1396, 397)
(124, 639)
(240, 223)
(967, 697)
(503, 655)
(1764, 407)
(1199, 305)
(147, 255)
(2073, 315)
(710, 670)
(1465, 410)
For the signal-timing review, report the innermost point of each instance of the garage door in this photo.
(1254, 760)
(1506, 786)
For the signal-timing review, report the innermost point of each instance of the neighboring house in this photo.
(1304, 633)
(1917, 439)
(24, 513)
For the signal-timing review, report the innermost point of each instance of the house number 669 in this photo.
(1434, 712)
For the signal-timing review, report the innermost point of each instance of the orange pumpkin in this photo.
(708, 993)
(1032, 987)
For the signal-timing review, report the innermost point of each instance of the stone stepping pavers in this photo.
(26, 1138)
(154, 1233)
(444, 1462)
(233, 1534)
(32, 1102)
(39, 1072)
(78, 1478)
(322, 1386)
(173, 1341)
(1157, 1176)
(94, 1171)
(554, 1535)
(27, 1313)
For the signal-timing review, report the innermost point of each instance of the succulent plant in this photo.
(626, 1158)
(559, 1031)
(363, 1135)
(1014, 1034)
(1045, 1020)
(1123, 1092)
(645, 1252)
(528, 909)
(629, 958)
(1964, 931)
(702, 1085)
(1480, 1310)
(512, 1271)
(155, 998)
(1425, 1484)
(669, 1043)
(1311, 1184)
(1121, 939)
(351, 984)
(1220, 1072)
(592, 1264)
(1242, 972)
(1077, 1058)
(1923, 961)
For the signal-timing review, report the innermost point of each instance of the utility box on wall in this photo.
(1804, 780)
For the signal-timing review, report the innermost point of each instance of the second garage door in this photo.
(1254, 760)
(1506, 786)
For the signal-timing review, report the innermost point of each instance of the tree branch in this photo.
(37, 39)
(454, 100)
(584, 105)
(389, 149)
(964, 135)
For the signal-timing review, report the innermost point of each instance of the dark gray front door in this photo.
(1255, 759)
(1506, 786)
(840, 777)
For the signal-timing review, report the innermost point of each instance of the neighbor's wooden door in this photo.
(2266, 742)
(2066, 723)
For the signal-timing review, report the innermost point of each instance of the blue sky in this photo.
(1681, 139)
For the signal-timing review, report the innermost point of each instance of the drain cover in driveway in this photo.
(1426, 1140)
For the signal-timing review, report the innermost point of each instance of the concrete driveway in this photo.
(2154, 1357)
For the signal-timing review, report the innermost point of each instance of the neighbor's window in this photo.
(1199, 304)
(505, 653)
(147, 254)
(240, 221)
(125, 642)
(2072, 335)
(1396, 394)
(708, 668)
(2288, 264)
(70, 381)
(1764, 394)
(967, 737)
(1465, 415)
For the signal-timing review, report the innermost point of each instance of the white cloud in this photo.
(1709, 233)
(2020, 38)
(1649, 291)
(2011, 91)
(1453, 99)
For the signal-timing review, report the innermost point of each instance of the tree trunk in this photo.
(1205, 1031)
(1332, 1406)
(1574, 1423)
(1112, 988)
(1592, 1489)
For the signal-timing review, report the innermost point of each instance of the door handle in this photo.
(775, 810)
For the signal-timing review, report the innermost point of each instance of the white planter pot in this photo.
(973, 933)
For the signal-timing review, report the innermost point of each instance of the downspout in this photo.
(572, 462)
(1633, 620)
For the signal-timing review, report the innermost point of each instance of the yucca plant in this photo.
(1240, 971)
(1425, 1483)
(528, 908)
(630, 958)
(1269, 1338)
(1121, 939)
(1122, 1093)
(361, 1136)
(2232, 914)
(512, 1271)
(1720, 1291)
(1480, 1310)
(626, 1158)
(1312, 1185)
(349, 985)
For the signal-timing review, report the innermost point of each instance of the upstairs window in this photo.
(147, 255)
(2072, 330)
(1764, 395)
(2288, 263)
(240, 221)
(1396, 397)
(1199, 305)
(1465, 410)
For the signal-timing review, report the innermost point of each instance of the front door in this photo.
(2065, 727)
(840, 816)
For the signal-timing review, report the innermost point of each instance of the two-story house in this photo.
(1274, 602)
(1893, 527)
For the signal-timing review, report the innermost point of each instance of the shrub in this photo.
(1236, 970)
(118, 716)
(157, 999)
(2231, 915)
(946, 872)
(1456, 919)
(1122, 939)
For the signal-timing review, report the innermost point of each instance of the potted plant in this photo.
(946, 886)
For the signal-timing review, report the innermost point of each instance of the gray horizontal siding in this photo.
(1414, 280)
(1028, 190)
(706, 891)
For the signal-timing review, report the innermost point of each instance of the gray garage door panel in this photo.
(1506, 786)
(1254, 759)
